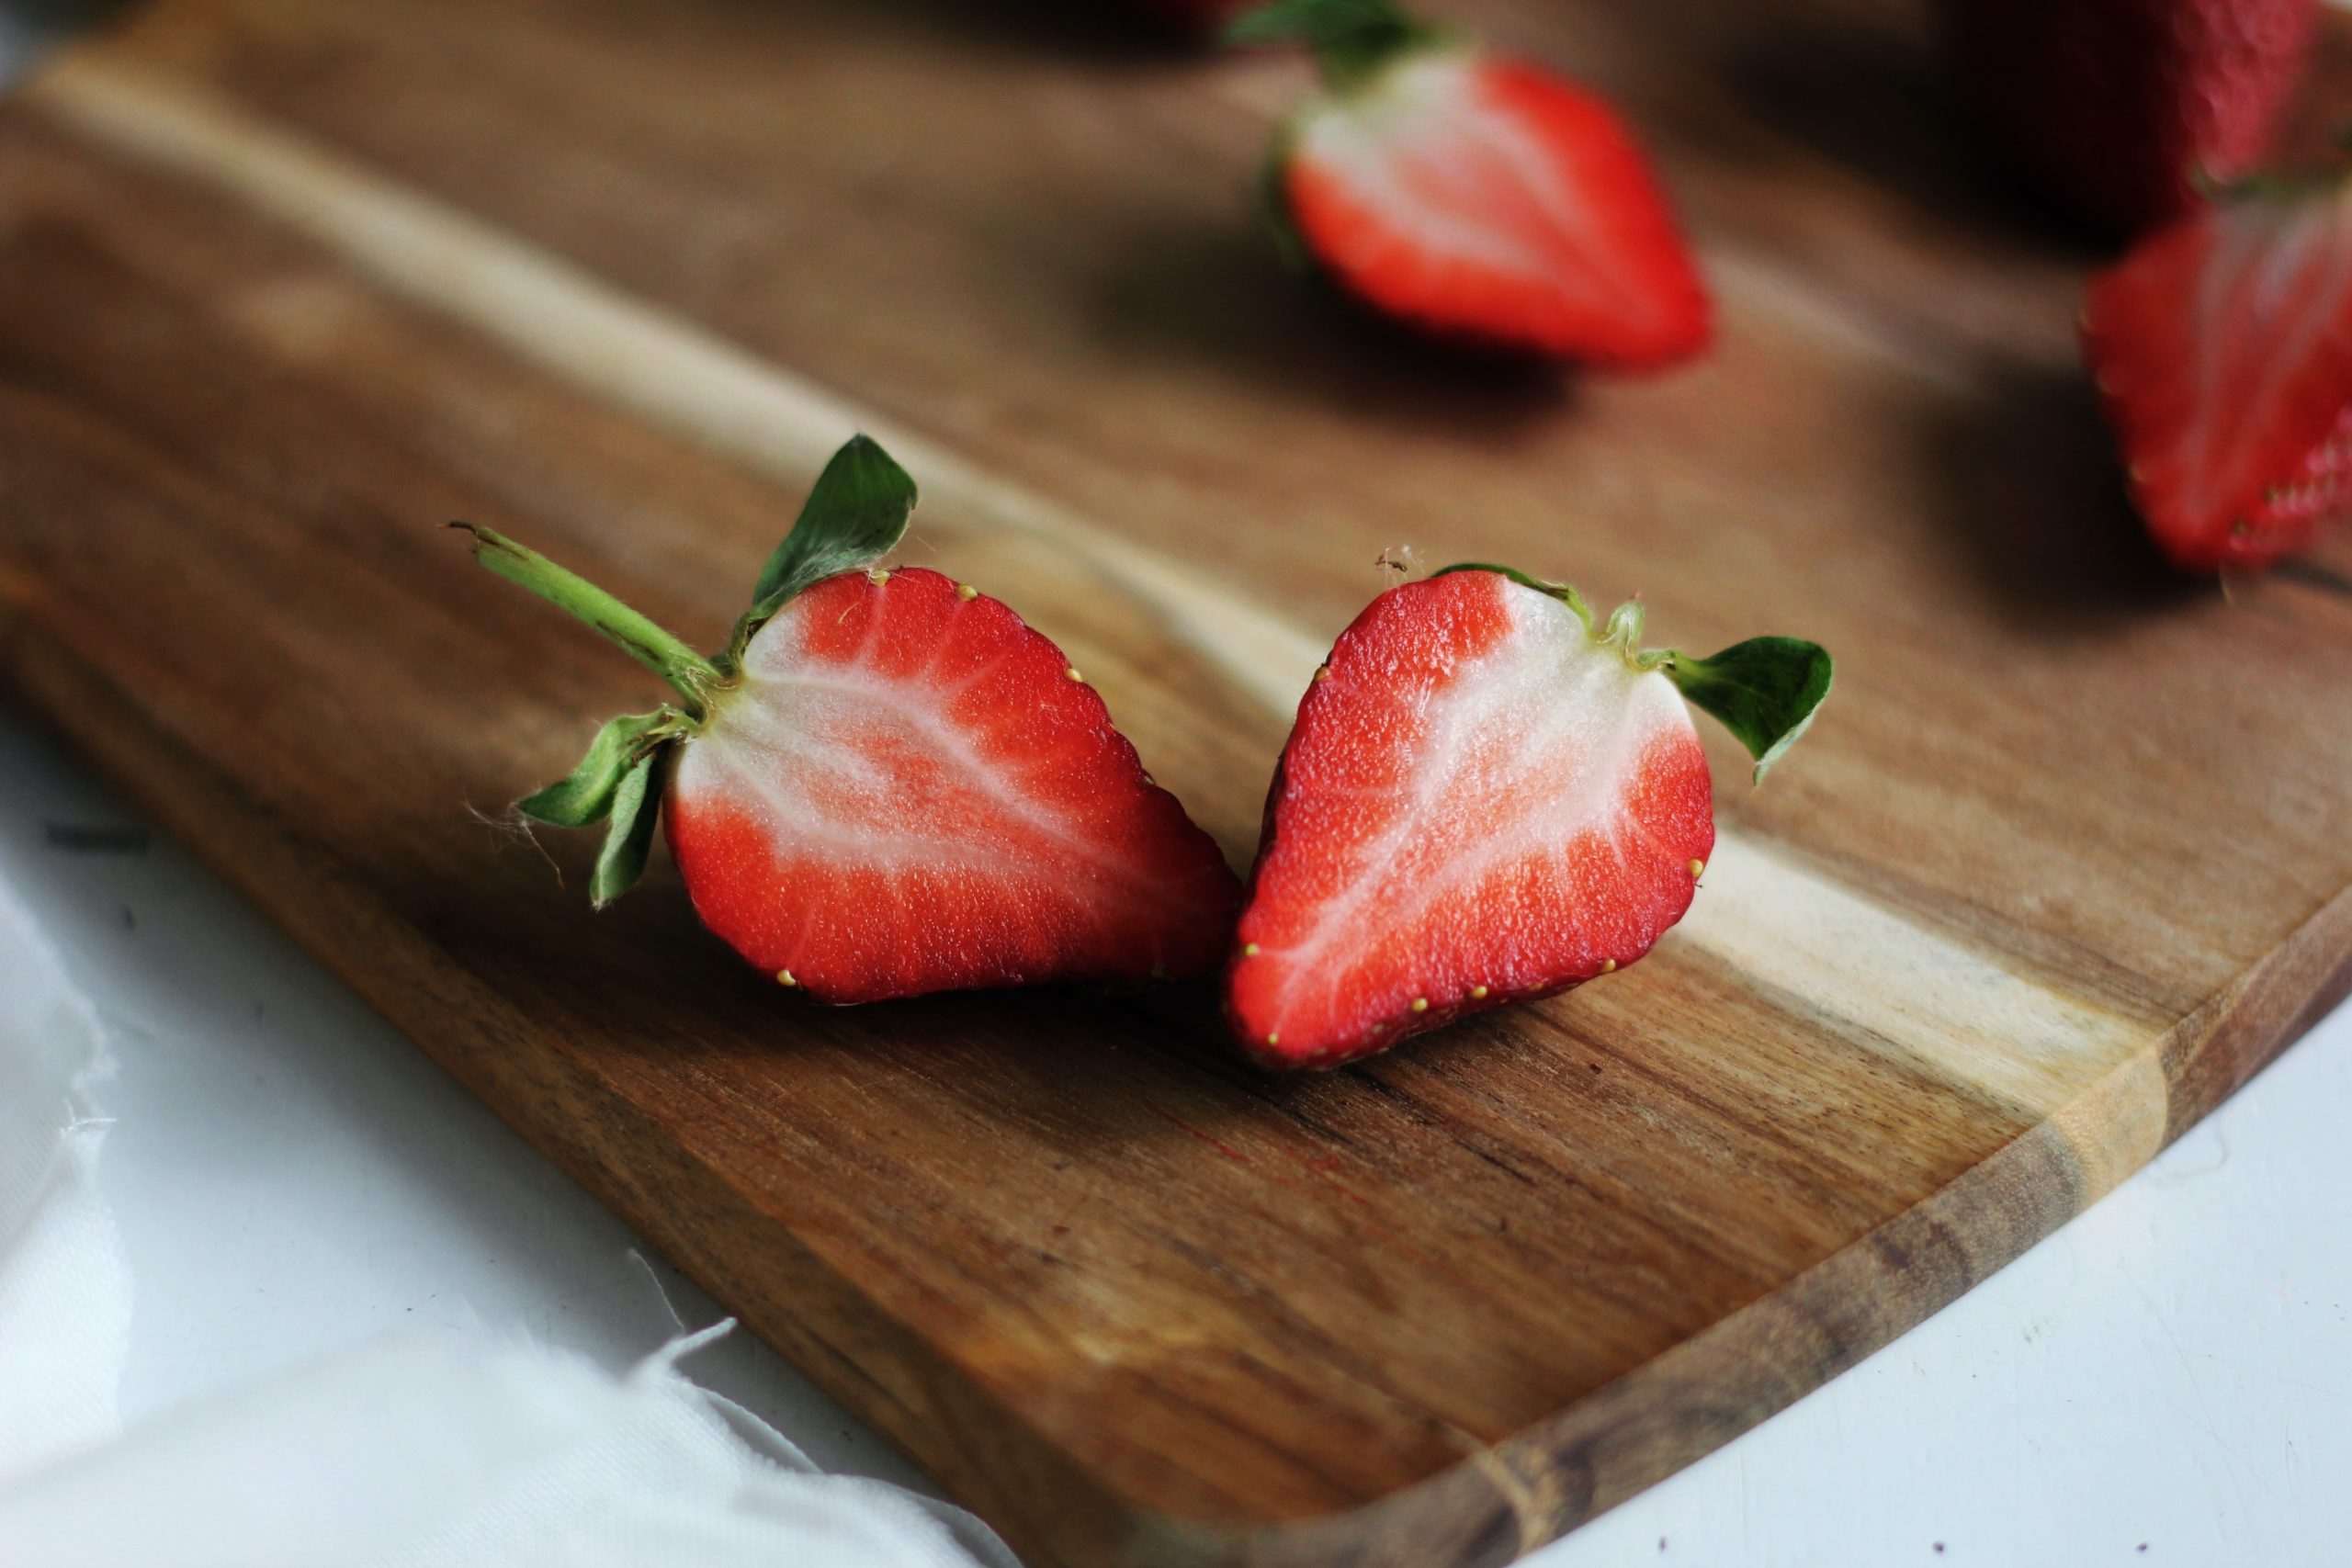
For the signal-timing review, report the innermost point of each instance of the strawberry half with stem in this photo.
(1475, 196)
(2222, 345)
(886, 785)
(1487, 798)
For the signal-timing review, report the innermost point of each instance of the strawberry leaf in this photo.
(585, 795)
(1352, 38)
(1765, 691)
(636, 806)
(855, 516)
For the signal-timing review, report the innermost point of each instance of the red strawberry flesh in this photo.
(1490, 201)
(2222, 345)
(1481, 803)
(910, 790)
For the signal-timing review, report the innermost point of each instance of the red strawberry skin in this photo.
(1487, 200)
(910, 790)
(1480, 804)
(2222, 345)
(2117, 106)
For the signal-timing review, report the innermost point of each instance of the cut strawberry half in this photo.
(1475, 196)
(887, 784)
(2222, 345)
(1487, 798)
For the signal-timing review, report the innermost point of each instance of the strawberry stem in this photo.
(692, 676)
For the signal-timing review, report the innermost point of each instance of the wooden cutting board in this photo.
(283, 285)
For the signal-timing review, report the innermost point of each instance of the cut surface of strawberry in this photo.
(910, 788)
(2222, 346)
(888, 784)
(1476, 197)
(1487, 798)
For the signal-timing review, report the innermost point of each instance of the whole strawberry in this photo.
(2119, 106)
(1476, 197)
(886, 785)
(1487, 798)
(2222, 346)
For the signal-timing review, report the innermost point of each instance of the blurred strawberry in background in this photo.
(2115, 108)
(2221, 347)
(1476, 197)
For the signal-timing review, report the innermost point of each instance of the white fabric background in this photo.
(64, 1282)
(419, 1447)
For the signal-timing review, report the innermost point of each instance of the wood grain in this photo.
(283, 285)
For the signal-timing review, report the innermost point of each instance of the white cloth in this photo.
(432, 1450)
(64, 1284)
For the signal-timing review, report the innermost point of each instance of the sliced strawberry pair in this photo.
(1487, 798)
(2222, 345)
(1475, 196)
(886, 785)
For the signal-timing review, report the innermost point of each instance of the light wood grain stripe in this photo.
(1918, 993)
(1971, 1019)
(621, 348)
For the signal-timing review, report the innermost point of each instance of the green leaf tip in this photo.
(1350, 39)
(1766, 691)
(635, 808)
(585, 795)
(856, 514)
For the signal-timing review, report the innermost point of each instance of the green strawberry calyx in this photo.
(1766, 690)
(1353, 40)
(856, 512)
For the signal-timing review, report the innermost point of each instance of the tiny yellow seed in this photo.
(1420, 1004)
(965, 590)
(1322, 671)
(1478, 993)
(1698, 868)
(1248, 950)
(1274, 1039)
(1609, 967)
(1073, 674)
(784, 978)
(877, 576)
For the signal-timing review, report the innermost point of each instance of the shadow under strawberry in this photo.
(1216, 293)
(2020, 476)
